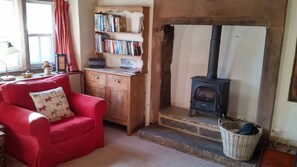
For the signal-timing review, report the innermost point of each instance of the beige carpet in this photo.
(130, 151)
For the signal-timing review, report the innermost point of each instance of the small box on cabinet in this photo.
(96, 63)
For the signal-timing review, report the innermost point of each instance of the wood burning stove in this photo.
(210, 94)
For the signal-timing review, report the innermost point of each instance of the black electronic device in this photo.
(96, 63)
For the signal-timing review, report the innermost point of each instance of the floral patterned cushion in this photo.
(52, 103)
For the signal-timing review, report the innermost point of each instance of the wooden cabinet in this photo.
(124, 94)
(121, 37)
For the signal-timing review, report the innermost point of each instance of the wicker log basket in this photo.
(238, 146)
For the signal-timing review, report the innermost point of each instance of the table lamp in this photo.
(9, 50)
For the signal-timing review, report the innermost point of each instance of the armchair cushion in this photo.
(52, 103)
(70, 127)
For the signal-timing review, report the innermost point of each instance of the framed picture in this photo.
(293, 85)
(61, 63)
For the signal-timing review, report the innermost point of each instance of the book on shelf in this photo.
(131, 48)
(124, 48)
(100, 40)
(97, 21)
(118, 49)
(104, 24)
(110, 22)
(141, 27)
(136, 48)
(122, 24)
(128, 45)
(105, 44)
(116, 23)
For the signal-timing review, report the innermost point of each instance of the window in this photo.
(34, 47)
(40, 32)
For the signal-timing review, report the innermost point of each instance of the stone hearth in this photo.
(198, 136)
(203, 125)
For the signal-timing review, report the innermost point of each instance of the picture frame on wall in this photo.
(61, 63)
(293, 85)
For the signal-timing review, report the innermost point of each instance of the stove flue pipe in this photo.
(214, 52)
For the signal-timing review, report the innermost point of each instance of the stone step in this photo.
(201, 124)
(200, 147)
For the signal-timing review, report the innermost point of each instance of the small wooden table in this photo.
(2, 155)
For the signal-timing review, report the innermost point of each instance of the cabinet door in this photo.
(98, 91)
(117, 105)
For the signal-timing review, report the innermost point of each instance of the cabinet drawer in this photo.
(118, 82)
(95, 78)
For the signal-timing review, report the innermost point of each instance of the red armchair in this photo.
(35, 141)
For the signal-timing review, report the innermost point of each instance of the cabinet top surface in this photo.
(114, 71)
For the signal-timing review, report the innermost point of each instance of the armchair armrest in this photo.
(88, 106)
(25, 122)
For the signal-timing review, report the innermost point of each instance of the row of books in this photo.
(106, 45)
(110, 23)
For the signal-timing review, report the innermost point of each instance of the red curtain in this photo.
(63, 38)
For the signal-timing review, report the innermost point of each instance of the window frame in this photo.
(24, 55)
(38, 66)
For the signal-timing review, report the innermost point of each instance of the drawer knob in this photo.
(117, 81)
(96, 77)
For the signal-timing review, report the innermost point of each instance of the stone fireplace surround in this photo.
(266, 13)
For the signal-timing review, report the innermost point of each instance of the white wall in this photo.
(82, 30)
(75, 29)
(285, 112)
(75, 80)
(81, 25)
(240, 59)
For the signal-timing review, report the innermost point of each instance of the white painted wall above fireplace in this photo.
(240, 59)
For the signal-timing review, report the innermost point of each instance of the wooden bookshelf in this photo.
(134, 36)
(124, 92)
